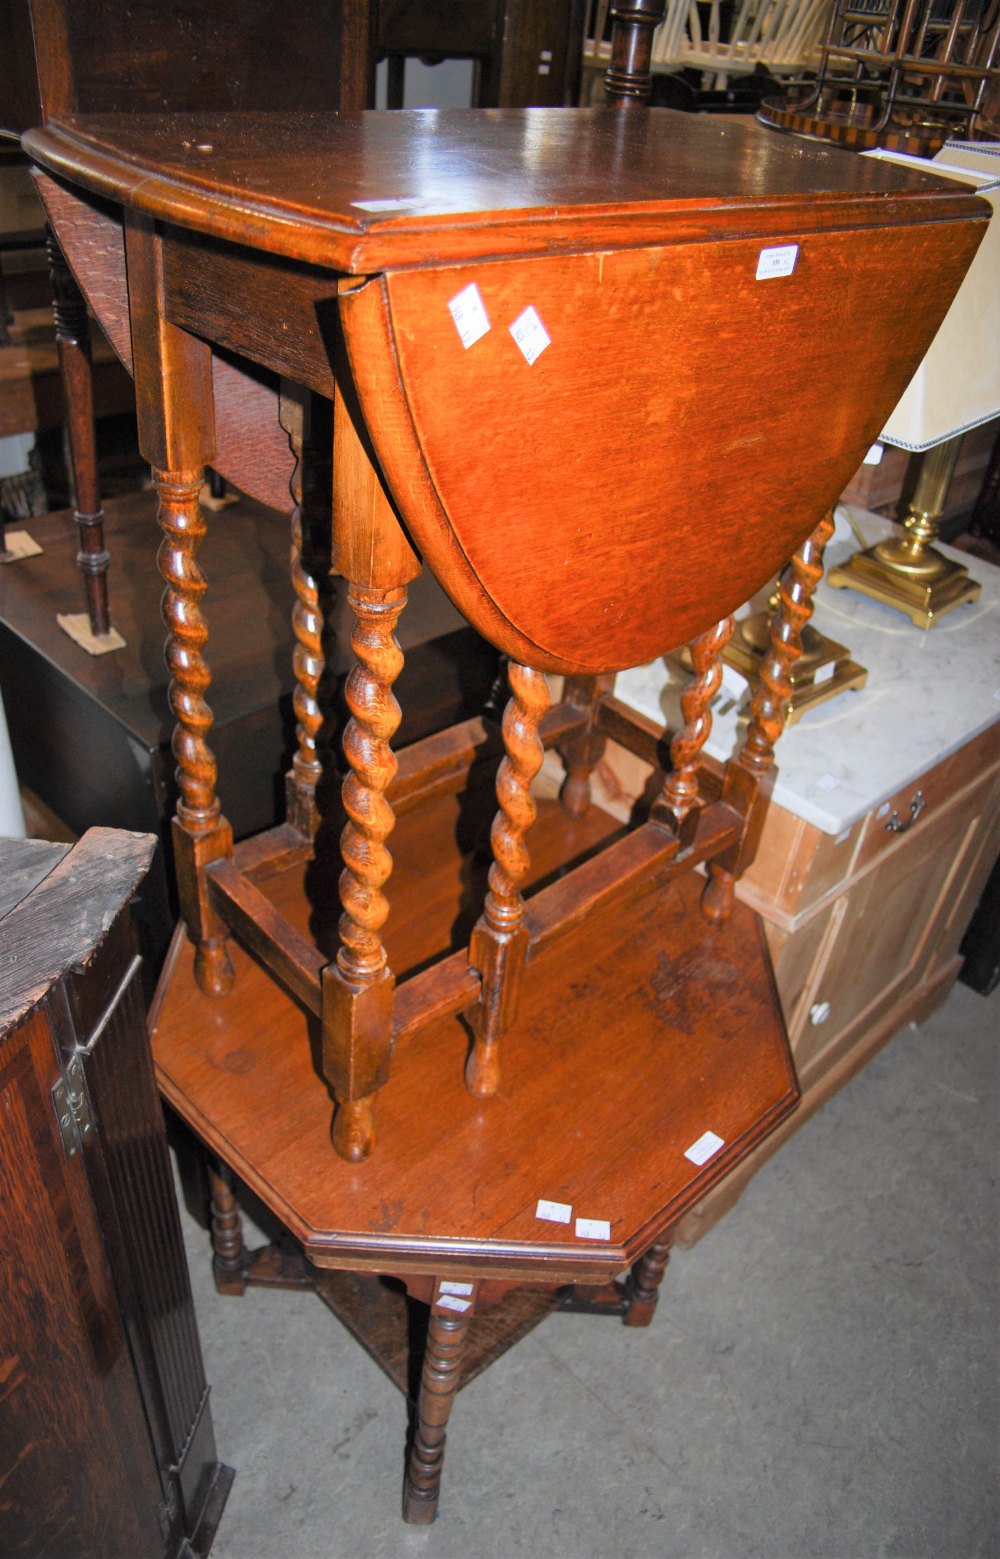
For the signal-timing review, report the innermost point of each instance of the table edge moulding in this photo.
(466, 288)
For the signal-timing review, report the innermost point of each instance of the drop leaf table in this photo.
(599, 371)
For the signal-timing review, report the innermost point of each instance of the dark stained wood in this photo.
(446, 1335)
(73, 342)
(628, 78)
(290, 957)
(108, 1443)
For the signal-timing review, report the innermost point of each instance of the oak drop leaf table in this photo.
(599, 371)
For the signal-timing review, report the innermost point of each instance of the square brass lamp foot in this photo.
(884, 572)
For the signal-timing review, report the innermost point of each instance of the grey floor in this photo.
(820, 1378)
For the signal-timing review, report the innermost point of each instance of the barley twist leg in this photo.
(201, 833)
(499, 942)
(746, 775)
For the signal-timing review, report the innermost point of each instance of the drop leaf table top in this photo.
(613, 365)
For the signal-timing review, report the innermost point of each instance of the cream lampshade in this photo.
(956, 387)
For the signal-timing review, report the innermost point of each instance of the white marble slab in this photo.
(928, 693)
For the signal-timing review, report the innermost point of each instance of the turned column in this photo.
(372, 553)
(447, 1330)
(499, 944)
(76, 370)
(629, 78)
(750, 775)
(583, 751)
(679, 801)
(307, 626)
(228, 1247)
(643, 1285)
(173, 380)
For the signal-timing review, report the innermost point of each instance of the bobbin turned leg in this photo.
(499, 943)
(750, 775)
(228, 1248)
(643, 1286)
(446, 1335)
(76, 369)
(583, 751)
(173, 377)
(679, 802)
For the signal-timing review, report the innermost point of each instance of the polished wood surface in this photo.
(475, 183)
(615, 1025)
(618, 1037)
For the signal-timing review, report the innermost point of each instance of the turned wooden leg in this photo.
(679, 801)
(201, 833)
(582, 752)
(228, 1249)
(499, 943)
(73, 342)
(175, 409)
(750, 775)
(628, 79)
(358, 988)
(307, 626)
(644, 1281)
(446, 1336)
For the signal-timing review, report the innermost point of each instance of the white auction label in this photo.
(469, 313)
(706, 1147)
(554, 1212)
(874, 456)
(777, 262)
(828, 782)
(530, 335)
(452, 1302)
(593, 1229)
(448, 1286)
(824, 673)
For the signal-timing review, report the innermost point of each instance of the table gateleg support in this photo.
(750, 775)
(499, 945)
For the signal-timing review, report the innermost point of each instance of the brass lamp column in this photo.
(956, 387)
(907, 571)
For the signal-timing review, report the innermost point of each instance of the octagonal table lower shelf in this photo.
(646, 1030)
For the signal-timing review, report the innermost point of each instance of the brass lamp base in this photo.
(924, 586)
(823, 670)
(907, 571)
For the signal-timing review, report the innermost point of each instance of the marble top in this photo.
(929, 692)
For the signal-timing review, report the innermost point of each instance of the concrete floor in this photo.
(820, 1378)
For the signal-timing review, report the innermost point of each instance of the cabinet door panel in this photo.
(76, 1471)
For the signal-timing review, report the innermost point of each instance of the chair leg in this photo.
(446, 1336)
(499, 943)
(75, 366)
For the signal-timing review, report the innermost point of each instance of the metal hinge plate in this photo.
(72, 1107)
